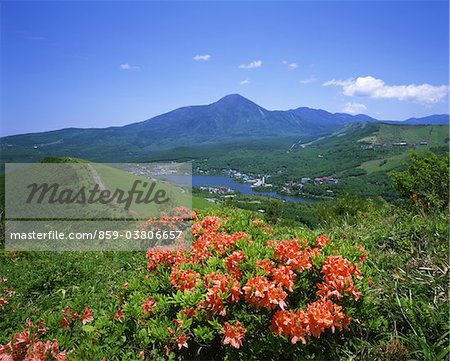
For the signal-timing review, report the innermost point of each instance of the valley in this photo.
(338, 153)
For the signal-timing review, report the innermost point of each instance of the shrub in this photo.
(344, 208)
(244, 295)
(425, 182)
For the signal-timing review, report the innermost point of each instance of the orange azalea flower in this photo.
(338, 278)
(256, 287)
(88, 315)
(188, 312)
(45, 351)
(322, 241)
(260, 292)
(184, 280)
(200, 248)
(276, 297)
(157, 257)
(69, 318)
(182, 341)
(363, 252)
(291, 324)
(233, 334)
(219, 286)
(208, 224)
(26, 346)
(295, 253)
(232, 263)
(324, 314)
(214, 300)
(224, 242)
(149, 305)
(236, 292)
(167, 351)
(284, 276)
(119, 314)
(265, 264)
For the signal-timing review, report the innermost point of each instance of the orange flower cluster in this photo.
(265, 264)
(207, 243)
(6, 294)
(324, 314)
(259, 223)
(184, 280)
(233, 334)
(179, 338)
(87, 316)
(208, 224)
(223, 242)
(322, 241)
(182, 340)
(26, 346)
(232, 263)
(119, 314)
(283, 276)
(338, 278)
(267, 290)
(290, 324)
(201, 250)
(148, 306)
(295, 253)
(260, 292)
(221, 288)
(70, 317)
(319, 316)
(158, 256)
(188, 312)
(170, 221)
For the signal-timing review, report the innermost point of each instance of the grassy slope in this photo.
(435, 136)
(405, 310)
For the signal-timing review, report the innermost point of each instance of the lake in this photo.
(244, 188)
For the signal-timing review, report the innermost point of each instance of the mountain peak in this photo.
(235, 100)
(232, 97)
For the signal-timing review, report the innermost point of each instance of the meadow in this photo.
(366, 280)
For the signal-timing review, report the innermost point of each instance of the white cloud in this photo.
(354, 108)
(205, 57)
(254, 64)
(309, 80)
(127, 66)
(243, 82)
(291, 66)
(370, 87)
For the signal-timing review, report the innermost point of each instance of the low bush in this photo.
(245, 295)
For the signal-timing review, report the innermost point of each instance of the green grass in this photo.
(384, 164)
(388, 133)
(405, 311)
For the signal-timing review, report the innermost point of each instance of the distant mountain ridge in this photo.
(231, 118)
(435, 119)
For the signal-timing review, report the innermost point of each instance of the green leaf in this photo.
(88, 328)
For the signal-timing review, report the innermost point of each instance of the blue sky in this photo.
(104, 63)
